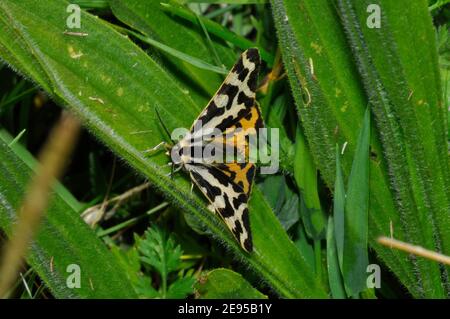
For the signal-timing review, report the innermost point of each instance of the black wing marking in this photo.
(235, 97)
(228, 199)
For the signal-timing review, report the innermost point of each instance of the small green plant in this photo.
(159, 252)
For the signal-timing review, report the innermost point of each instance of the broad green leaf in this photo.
(225, 284)
(330, 97)
(355, 255)
(64, 239)
(404, 87)
(115, 89)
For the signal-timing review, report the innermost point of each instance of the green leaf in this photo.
(181, 288)
(216, 29)
(160, 251)
(304, 246)
(114, 89)
(404, 88)
(63, 237)
(178, 54)
(148, 18)
(334, 271)
(283, 201)
(274, 113)
(409, 167)
(355, 255)
(226, 1)
(339, 210)
(145, 289)
(225, 284)
(91, 4)
(305, 174)
(129, 260)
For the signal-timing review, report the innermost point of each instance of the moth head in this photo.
(176, 154)
(180, 153)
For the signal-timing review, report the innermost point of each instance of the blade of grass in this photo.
(398, 82)
(218, 30)
(220, 11)
(75, 244)
(305, 174)
(339, 210)
(53, 159)
(131, 221)
(355, 253)
(334, 271)
(180, 55)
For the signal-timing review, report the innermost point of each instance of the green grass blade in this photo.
(149, 19)
(178, 54)
(355, 254)
(305, 174)
(225, 284)
(217, 30)
(63, 239)
(334, 271)
(31, 163)
(339, 210)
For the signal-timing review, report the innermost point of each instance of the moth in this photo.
(234, 113)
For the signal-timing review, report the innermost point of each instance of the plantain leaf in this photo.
(404, 87)
(409, 172)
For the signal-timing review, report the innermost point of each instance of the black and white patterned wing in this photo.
(227, 198)
(236, 96)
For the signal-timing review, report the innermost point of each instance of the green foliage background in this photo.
(362, 115)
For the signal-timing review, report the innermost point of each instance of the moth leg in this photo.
(156, 148)
(174, 170)
(171, 171)
(192, 187)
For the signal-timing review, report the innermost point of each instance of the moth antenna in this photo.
(164, 126)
